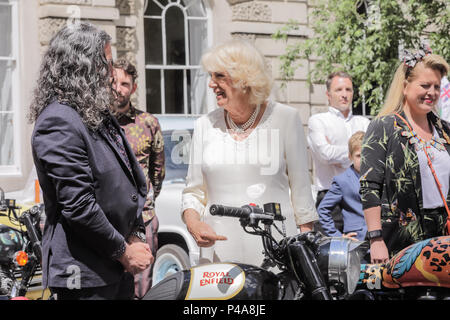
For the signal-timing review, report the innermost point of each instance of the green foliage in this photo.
(366, 45)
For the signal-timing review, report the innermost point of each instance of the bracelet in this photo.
(140, 235)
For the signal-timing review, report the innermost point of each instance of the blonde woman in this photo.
(405, 168)
(249, 150)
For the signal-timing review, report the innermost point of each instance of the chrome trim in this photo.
(342, 261)
(338, 260)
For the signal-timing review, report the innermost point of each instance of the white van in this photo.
(177, 249)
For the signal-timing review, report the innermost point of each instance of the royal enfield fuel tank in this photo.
(217, 281)
(426, 263)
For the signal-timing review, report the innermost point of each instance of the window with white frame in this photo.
(9, 86)
(176, 35)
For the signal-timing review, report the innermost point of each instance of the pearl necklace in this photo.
(250, 122)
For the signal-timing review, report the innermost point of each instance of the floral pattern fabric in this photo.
(145, 137)
(390, 178)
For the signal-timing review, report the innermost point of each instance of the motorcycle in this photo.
(20, 250)
(311, 267)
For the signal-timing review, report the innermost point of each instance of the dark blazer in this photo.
(92, 200)
(344, 190)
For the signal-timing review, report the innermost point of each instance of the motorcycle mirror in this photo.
(275, 209)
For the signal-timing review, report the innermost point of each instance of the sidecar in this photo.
(423, 264)
(218, 281)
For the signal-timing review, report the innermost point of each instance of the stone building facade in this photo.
(131, 24)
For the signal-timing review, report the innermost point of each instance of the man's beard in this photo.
(119, 104)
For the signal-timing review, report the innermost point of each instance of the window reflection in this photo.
(153, 41)
(175, 36)
(153, 90)
(174, 91)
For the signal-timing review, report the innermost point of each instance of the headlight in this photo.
(340, 261)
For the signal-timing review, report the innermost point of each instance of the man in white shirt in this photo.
(328, 135)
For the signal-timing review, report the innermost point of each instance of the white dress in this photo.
(270, 165)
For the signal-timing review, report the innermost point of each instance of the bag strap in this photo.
(439, 185)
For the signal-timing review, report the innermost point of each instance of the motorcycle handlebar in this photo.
(29, 218)
(247, 211)
(235, 212)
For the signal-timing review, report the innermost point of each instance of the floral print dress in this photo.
(390, 178)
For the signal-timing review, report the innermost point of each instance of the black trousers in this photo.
(122, 290)
(336, 214)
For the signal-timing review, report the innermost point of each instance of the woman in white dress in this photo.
(249, 150)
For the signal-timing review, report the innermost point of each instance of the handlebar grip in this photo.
(28, 218)
(236, 212)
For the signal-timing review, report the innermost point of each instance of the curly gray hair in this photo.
(74, 71)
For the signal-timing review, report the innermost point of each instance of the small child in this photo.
(344, 190)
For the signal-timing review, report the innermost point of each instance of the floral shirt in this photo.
(144, 135)
(390, 170)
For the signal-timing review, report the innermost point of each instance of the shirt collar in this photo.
(338, 113)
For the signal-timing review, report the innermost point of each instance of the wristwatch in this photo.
(374, 234)
(140, 235)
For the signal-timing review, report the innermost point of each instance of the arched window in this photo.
(176, 35)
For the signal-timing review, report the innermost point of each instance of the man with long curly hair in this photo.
(94, 190)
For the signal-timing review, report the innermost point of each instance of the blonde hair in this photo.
(244, 64)
(395, 99)
(355, 141)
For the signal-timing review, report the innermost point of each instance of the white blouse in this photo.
(270, 165)
(431, 196)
